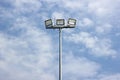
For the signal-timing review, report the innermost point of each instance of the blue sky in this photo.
(28, 51)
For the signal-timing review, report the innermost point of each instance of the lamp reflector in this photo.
(71, 22)
(60, 22)
(48, 23)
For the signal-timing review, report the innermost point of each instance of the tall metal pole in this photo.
(60, 53)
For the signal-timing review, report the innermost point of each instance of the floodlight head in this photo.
(71, 22)
(60, 22)
(48, 23)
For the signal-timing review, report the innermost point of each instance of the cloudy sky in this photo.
(28, 51)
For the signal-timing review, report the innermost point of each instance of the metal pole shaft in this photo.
(60, 53)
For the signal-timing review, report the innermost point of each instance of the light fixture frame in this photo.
(59, 25)
(73, 23)
(48, 25)
(58, 22)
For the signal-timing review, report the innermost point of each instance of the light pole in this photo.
(60, 24)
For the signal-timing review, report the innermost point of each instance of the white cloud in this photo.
(74, 5)
(67, 30)
(98, 47)
(106, 28)
(58, 15)
(26, 53)
(27, 56)
(50, 1)
(98, 7)
(102, 8)
(111, 77)
(27, 6)
(79, 67)
(86, 22)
